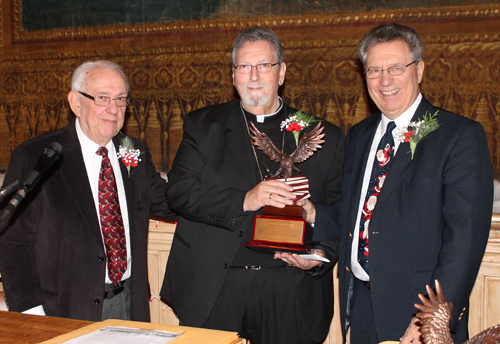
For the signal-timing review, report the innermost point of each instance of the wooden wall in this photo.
(177, 67)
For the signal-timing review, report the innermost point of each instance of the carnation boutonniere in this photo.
(416, 131)
(128, 153)
(297, 122)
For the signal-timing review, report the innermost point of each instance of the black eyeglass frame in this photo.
(110, 99)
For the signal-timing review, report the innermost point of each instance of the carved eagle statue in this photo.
(435, 315)
(308, 144)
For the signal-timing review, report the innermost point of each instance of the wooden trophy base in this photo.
(281, 229)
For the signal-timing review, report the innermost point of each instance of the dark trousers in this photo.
(117, 307)
(362, 322)
(260, 306)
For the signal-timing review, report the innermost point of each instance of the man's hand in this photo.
(269, 192)
(294, 260)
(308, 210)
(412, 334)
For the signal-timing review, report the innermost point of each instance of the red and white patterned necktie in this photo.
(381, 164)
(111, 220)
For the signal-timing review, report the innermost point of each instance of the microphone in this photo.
(49, 155)
(9, 188)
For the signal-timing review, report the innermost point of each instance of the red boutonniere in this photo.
(416, 131)
(297, 122)
(128, 153)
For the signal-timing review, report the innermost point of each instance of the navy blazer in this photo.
(431, 220)
(52, 253)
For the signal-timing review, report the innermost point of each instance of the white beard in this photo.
(254, 100)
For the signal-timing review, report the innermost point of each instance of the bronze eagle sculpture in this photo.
(308, 144)
(435, 315)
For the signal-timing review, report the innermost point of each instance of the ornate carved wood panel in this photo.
(177, 67)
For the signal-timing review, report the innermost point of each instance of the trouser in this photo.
(260, 305)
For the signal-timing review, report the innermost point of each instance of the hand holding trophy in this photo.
(284, 229)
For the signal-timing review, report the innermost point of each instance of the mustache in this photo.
(255, 85)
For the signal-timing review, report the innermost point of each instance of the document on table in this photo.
(124, 335)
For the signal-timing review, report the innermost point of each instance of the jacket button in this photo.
(350, 234)
(225, 266)
(97, 301)
(101, 258)
(241, 233)
(347, 268)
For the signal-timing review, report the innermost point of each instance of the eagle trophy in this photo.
(435, 315)
(308, 144)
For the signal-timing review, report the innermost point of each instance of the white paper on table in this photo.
(315, 257)
(124, 335)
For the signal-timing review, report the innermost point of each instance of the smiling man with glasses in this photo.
(216, 185)
(411, 212)
(68, 250)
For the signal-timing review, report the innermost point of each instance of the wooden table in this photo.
(27, 329)
(18, 328)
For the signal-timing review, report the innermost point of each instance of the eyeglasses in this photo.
(393, 71)
(261, 67)
(104, 101)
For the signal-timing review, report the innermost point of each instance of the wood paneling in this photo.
(177, 67)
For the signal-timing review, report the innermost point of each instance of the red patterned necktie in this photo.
(381, 164)
(111, 220)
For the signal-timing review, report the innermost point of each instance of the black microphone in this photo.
(49, 155)
(9, 188)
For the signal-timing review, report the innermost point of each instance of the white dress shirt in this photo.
(93, 165)
(402, 121)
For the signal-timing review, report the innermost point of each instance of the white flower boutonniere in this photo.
(416, 131)
(297, 122)
(128, 153)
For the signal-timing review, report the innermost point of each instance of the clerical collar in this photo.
(264, 118)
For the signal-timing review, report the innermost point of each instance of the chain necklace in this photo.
(251, 143)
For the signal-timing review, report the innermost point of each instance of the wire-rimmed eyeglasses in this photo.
(261, 67)
(393, 71)
(100, 100)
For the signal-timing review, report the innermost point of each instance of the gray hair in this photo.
(79, 80)
(387, 33)
(255, 34)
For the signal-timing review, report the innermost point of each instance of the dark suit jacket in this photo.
(52, 253)
(431, 220)
(213, 170)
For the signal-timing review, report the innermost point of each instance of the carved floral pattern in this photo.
(171, 76)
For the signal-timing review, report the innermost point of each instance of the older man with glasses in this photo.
(68, 250)
(416, 199)
(217, 187)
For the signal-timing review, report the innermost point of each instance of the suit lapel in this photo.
(362, 143)
(402, 160)
(128, 183)
(74, 176)
(236, 134)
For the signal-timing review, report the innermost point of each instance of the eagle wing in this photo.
(435, 315)
(308, 144)
(264, 143)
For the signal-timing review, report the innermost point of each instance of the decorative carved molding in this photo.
(489, 12)
(1, 24)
